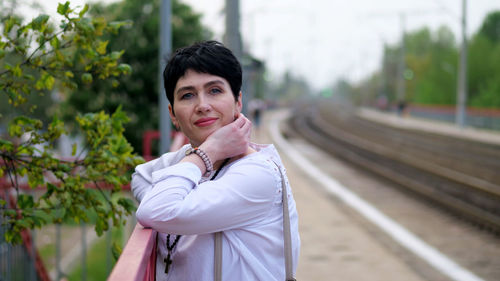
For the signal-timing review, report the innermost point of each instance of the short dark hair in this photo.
(210, 57)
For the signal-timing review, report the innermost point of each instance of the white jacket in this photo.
(244, 201)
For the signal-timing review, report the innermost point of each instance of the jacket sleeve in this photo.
(142, 178)
(243, 195)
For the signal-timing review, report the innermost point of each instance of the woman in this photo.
(218, 182)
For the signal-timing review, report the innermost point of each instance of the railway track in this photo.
(460, 175)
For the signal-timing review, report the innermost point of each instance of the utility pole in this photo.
(401, 85)
(462, 73)
(232, 38)
(165, 50)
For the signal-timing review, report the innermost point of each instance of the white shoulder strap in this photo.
(218, 256)
(287, 239)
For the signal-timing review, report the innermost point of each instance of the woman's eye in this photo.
(186, 96)
(215, 91)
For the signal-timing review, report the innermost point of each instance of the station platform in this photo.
(333, 245)
(355, 227)
(438, 127)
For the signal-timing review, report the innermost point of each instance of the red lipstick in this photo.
(206, 121)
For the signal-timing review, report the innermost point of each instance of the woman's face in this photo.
(203, 103)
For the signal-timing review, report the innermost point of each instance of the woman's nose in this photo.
(203, 104)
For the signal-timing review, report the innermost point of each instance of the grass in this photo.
(97, 258)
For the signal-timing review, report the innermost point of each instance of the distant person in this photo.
(255, 108)
(219, 182)
(401, 108)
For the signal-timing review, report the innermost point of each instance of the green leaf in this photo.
(25, 201)
(49, 82)
(114, 26)
(54, 42)
(46, 81)
(6, 145)
(56, 128)
(13, 237)
(10, 213)
(29, 77)
(73, 149)
(22, 124)
(84, 10)
(9, 24)
(39, 22)
(85, 25)
(116, 250)
(125, 68)
(127, 204)
(23, 223)
(101, 49)
(63, 9)
(17, 71)
(87, 78)
(116, 55)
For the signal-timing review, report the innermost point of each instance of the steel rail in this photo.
(366, 154)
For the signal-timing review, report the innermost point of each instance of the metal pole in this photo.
(8, 255)
(58, 251)
(33, 256)
(84, 251)
(109, 246)
(232, 38)
(401, 85)
(462, 73)
(165, 50)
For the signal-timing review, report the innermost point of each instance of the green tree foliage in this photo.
(435, 71)
(491, 27)
(431, 60)
(484, 64)
(35, 59)
(137, 93)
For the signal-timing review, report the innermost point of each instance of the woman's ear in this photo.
(172, 116)
(239, 103)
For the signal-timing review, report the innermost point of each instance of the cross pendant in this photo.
(168, 262)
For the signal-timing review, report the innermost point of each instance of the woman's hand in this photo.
(228, 141)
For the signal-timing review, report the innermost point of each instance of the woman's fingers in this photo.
(240, 121)
(230, 140)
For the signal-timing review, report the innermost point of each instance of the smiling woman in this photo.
(220, 195)
(202, 104)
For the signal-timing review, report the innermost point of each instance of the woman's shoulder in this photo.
(264, 161)
(166, 160)
(264, 155)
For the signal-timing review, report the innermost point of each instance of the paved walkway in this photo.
(334, 246)
(481, 135)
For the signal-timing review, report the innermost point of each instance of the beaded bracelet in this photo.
(208, 164)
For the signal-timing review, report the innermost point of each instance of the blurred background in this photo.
(437, 59)
(376, 53)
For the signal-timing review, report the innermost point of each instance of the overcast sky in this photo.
(324, 40)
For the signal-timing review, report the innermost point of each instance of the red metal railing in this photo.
(138, 259)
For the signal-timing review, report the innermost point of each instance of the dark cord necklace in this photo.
(170, 248)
